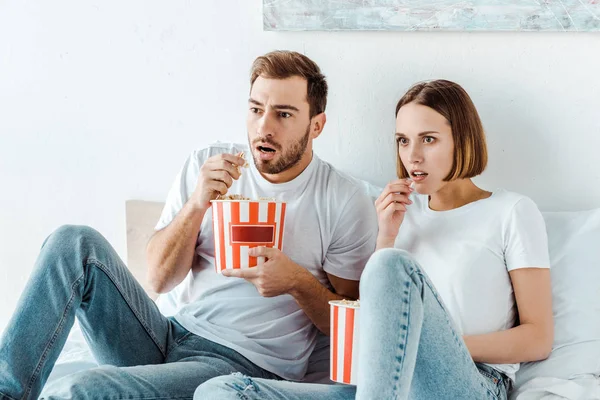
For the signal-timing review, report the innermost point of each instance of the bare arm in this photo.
(280, 275)
(391, 207)
(314, 298)
(170, 252)
(532, 339)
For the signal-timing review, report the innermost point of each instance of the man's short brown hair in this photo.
(451, 101)
(282, 64)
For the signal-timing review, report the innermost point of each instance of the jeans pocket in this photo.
(494, 381)
(179, 333)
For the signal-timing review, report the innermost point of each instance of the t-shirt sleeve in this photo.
(353, 240)
(526, 240)
(181, 189)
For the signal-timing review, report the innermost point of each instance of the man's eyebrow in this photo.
(285, 107)
(276, 106)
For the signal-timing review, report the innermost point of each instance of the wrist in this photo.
(300, 282)
(384, 242)
(197, 208)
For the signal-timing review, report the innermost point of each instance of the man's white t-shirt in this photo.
(467, 253)
(330, 227)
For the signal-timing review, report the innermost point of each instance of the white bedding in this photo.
(76, 356)
(582, 388)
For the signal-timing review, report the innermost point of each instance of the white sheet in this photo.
(76, 356)
(581, 388)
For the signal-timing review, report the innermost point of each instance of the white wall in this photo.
(101, 101)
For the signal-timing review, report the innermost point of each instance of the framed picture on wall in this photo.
(432, 15)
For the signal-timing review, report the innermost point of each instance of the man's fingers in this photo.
(223, 165)
(262, 251)
(221, 176)
(217, 186)
(232, 159)
(246, 273)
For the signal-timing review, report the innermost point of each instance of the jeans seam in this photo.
(7, 396)
(177, 343)
(400, 364)
(53, 338)
(115, 282)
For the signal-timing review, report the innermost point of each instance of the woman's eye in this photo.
(403, 141)
(429, 139)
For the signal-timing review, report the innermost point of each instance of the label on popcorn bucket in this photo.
(239, 225)
(344, 341)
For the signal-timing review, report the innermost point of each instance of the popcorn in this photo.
(243, 155)
(232, 197)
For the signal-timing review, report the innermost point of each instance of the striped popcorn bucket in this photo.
(239, 225)
(344, 341)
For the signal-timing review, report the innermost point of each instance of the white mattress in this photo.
(76, 356)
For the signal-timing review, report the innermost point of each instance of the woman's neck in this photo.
(456, 194)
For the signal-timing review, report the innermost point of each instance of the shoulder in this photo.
(339, 185)
(513, 203)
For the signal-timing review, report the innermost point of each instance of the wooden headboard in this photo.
(141, 217)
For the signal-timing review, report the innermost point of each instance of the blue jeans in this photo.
(143, 355)
(409, 348)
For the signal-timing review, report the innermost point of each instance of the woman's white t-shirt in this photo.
(468, 252)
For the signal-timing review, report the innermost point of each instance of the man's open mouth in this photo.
(266, 149)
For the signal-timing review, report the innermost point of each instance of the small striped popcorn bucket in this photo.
(239, 225)
(344, 341)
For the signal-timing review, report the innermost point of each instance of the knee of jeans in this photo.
(386, 267)
(234, 386)
(73, 236)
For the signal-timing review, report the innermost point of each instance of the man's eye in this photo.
(254, 110)
(285, 114)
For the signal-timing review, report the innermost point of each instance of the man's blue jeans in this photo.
(143, 355)
(409, 348)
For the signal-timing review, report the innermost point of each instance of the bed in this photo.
(571, 372)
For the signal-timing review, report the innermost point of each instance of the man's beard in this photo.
(286, 160)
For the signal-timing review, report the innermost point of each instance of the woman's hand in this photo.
(391, 206)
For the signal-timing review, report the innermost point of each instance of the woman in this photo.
(458, 292)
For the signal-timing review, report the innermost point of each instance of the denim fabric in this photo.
(409, 348)
(143, 355)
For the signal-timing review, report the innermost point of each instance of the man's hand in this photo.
(276, 276)
(216, 177)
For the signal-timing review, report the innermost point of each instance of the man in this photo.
(261, 322)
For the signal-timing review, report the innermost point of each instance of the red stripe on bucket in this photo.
(252, 261)
(281, 219)
(221, 234)
(334, 360)
(235, 219)
(348, 339)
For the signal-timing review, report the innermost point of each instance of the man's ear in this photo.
(317, 125)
